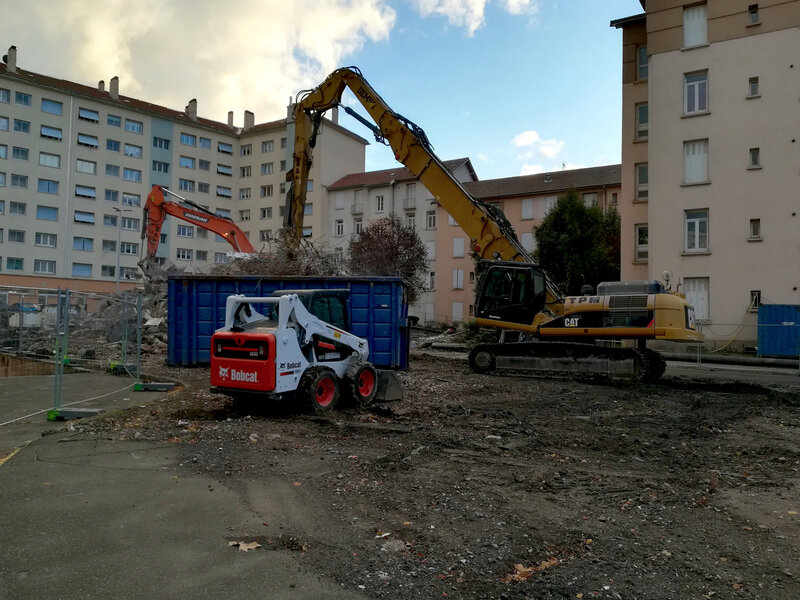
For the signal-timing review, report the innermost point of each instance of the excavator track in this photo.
(567, 359)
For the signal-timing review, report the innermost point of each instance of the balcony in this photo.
(357, 209)
(409, 203)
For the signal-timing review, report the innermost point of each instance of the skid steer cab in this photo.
(285, 351)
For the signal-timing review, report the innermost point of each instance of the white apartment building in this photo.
(710, 156)
(77, 163)
(359, 198)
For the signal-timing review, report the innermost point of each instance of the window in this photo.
(245, 150)
(20, 181)
(244, 215)
(201, 255)
(411, 220)
(129, 272)
(641, 62)
(107, 271)
(109, 221)
(752, 14)
(186, 231)
(458, 247)
(755, 158)
(694, 25)
(16, 235)
(131, 199)
(378, 204)
(87, 114)
(283, 165)
(2, 206)
(22, 126)
(752, 87)
(113, 145)
(133, 150)
(186, 161)
(3, 151)
(220, 258)
(642, 121)
(432, 280)
(86, 166)
(5, 95)
(458, 279)
(204, 165)
(112, 170)
(16, 208)
(696, 291)
(183, 254)
(590, 199)
(47, 213)
(134, 126)
(266, 212)
(112, 195)
(282, 188)
(49, 160)
(308, 209)
(223, 212)
(2, 180)
(114, 121)
(224, 170)
(47, 240)
(755, 299)
(128, 248)
(283, 143)
(268, 146)
(265, 235)
(695, 93)
(81, 270)
(160, 166)
(84, 217)
(338, 227)
(695, 161)
(640, 237)
(51, 106)
(204, 142)
(430, 219)
(50, 133)
(132, 175)
(266, 168)
(358, 226)
(90, 141)
(3, 123)
(527, 209)
(224, 192)
(84, 191)
(528, 241)
(642, 177)
(187, 185)
(245, 171)
(14, 264)
(244, 193)
(266, 191)
(203, 188)
(44, 267)
(19, 153)
(755, 229)
(83, 244)
(162, 143)
(224, 147)
(307, 232)
(130, 224)
(696, 230)
(47, 186)
(188, 139)
(22, 98)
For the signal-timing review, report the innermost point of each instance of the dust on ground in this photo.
(480, 486)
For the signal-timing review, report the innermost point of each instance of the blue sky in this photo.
(518, 86)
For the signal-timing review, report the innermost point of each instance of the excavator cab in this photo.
(511, 292)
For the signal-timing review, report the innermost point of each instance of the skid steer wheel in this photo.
(321, 386)
(362, 383)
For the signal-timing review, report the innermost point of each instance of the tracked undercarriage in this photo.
(566, 359)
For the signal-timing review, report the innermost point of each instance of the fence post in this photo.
(139, 339)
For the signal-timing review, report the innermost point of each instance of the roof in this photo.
(387, 176)
(618, 23)
(546, 183)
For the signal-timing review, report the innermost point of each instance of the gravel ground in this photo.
(478, 486)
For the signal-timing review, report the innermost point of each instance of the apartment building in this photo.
(710, 156)
(525, 201)
(359, 198)
(77, 163)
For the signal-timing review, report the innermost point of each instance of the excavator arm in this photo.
(157, 208)
(491, 235)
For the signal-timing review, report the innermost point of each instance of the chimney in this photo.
(101, 85)
(113, 87)
(230, 118)
(335, 115)
(249, 120)
(191, 109)
(11, 60)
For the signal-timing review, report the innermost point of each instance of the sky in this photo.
(518, 86)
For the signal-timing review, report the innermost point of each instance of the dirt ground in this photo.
(478, 486)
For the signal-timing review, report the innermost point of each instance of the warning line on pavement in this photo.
(4, 458)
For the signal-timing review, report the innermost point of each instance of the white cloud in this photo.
(470, 13)
(545, 148)
(531, 169)
(483, 157)
(526, 138)
(253, 54)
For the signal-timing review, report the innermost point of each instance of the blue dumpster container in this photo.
(196, 308)
(779, 330)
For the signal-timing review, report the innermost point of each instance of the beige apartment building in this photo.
(77, 163)
(710, 156)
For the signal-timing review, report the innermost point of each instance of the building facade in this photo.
(710, 156)
(77, 163)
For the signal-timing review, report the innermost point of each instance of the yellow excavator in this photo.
(554, 334)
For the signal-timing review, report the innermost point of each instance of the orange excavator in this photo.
(157, 208)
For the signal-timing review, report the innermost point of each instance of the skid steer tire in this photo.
(362, 383)
(320, 386)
